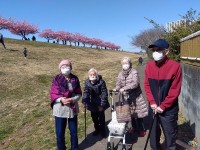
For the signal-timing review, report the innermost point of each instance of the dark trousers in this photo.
(2, 42)
(98, 119)
(137, 124)
(169, 125)
(60, 124)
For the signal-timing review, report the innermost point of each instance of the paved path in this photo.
(99, 143)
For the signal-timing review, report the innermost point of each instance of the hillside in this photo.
(26, 119)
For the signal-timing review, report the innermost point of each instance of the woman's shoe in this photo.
(142, 133)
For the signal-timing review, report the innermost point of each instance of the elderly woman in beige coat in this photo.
(128, 80)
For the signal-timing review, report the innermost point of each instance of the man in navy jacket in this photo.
(162, 84)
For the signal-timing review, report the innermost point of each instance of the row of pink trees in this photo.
(23, 28)
(76, 38)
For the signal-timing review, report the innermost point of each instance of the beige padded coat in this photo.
(131, 84)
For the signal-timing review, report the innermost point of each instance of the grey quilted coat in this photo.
(131, 84)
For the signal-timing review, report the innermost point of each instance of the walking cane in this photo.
(85, 120)
(154, 116)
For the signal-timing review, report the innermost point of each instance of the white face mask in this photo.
(66, 71)
(92, 78)
(126, 66)
(158, 55)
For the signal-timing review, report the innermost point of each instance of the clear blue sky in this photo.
(110, 20)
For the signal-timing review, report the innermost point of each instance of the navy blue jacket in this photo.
(95, 95)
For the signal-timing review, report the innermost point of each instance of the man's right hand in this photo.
(154, 107)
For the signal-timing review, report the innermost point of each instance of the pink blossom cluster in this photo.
(76, 38)
(5, 23)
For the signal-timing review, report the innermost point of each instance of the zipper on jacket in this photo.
(158, 87)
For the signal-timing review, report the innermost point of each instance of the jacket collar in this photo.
(163, 61)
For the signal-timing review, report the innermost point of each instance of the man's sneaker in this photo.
(95, 133)
(142, 133)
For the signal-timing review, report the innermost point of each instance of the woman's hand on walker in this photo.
(114, 90)
(121, 90)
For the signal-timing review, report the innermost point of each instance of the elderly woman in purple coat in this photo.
(128, 81)
(64, 94)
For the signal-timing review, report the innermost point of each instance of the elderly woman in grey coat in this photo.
(128, 80)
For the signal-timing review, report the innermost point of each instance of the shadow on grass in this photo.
(13, 50)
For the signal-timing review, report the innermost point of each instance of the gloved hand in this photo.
(121, 90)
(159, 110)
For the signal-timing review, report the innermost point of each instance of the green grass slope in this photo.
(26, 118)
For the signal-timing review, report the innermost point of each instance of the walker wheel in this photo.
(124, 147)
(108, 147)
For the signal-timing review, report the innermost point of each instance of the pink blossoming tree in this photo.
(5, 23)
(47, 34)
(22, 28)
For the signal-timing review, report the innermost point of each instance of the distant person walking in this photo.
(25, 52)
(2, 40)
(163, 85)
(140, 60)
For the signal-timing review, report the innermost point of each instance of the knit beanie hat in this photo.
(65, 62)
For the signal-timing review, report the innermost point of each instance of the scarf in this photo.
(125, 73)
(59, 87)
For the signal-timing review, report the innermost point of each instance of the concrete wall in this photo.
(190, 97)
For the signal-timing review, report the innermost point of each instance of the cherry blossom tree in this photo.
(84, 39)
(22, 28)
(5, 23)
(77, 38)
(47, 34)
